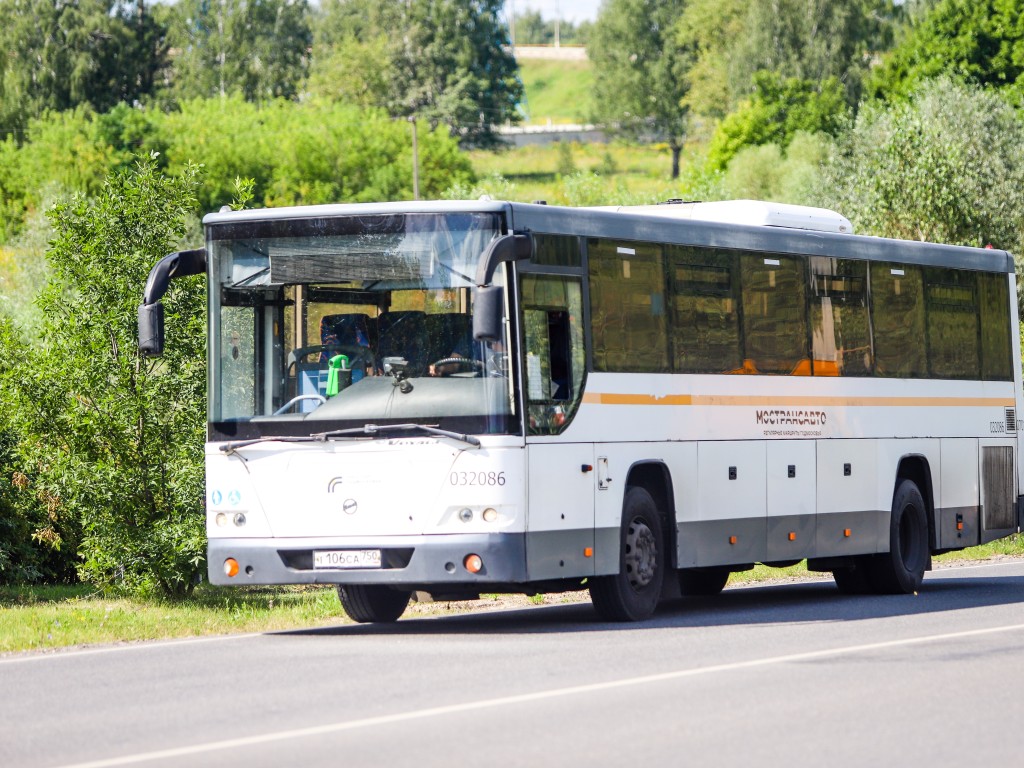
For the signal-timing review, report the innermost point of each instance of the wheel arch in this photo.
(916, 467)
(654, 477)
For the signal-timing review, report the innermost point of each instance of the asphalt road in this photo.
(792, 673)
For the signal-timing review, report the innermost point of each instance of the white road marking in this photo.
(503, 701)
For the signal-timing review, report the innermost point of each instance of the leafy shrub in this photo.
(111, 441)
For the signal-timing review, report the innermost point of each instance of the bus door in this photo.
(560, 520)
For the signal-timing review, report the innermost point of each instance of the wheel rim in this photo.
(641, 558)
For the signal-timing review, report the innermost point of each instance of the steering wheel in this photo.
(464, 362)
(354, 352)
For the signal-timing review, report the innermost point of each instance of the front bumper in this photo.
(406, 560)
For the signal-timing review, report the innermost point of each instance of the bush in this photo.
(110, 441)
(945, 166)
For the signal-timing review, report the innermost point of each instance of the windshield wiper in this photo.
(367, 430)
(232, 447)
(372, 430)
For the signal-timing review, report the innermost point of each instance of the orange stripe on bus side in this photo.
(610, 398)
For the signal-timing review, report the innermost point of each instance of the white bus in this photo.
(459, 398)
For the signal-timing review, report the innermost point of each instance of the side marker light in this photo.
(847, 532)
(732, 539)
(588, 551)
(792, 536)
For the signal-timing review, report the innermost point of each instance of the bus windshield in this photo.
(336, 322)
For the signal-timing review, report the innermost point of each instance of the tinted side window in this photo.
(840, 331)
(897, 314)
(556, 251)
(774, 315)
(627, 297)
(996, 341)
(951, 305)
(706, 310)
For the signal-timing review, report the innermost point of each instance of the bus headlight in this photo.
(490, 515)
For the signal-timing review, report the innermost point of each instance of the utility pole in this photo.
(415, 161)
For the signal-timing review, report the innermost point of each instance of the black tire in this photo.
(702, 582)
(853, 580)
(901, 570)
(632, 594)
(366, 603)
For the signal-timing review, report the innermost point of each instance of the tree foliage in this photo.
(977, 42)
(444, 62)
(256, 48)
(640, 71)
(944, 166)
(811, 40)
(776, 112)
(309, 152)
(110, 441)
(61, 54)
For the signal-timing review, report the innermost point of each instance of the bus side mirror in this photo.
(151, 329)
(151, 312)
(488, 310)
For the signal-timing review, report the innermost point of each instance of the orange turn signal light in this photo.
(588, 551)
(231, 567)
(473, 563)
(732, 539)
(847, 532)
(792, 536)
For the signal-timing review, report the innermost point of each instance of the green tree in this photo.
(812, 40)
(776, 112)
(978, 42)
(107, 438)
(944, 166)
(256, 48)
(442, 62)
(61, 54)
(640, 71)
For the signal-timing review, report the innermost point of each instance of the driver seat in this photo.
(351, 329)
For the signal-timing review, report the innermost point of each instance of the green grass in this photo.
(39, 618)
(616, 173)
(557, 92)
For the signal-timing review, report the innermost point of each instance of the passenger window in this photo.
(555, 359)
(952, 309)
(774, 315)
(840, 331)
(706, 325)
(996, 342)
(627, 298)
(897, 316)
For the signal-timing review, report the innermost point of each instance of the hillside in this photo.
(556, 91)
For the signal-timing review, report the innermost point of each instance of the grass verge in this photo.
(47, 618)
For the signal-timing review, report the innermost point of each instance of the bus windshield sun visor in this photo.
(151, 316)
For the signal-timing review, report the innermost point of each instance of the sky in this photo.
(567, 10)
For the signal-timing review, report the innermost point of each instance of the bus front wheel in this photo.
(368, 603)
(632, 594)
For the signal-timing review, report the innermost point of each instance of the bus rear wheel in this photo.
(369, 603)
(901, 569)
(632, 594)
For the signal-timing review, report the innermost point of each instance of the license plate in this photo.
(347, 558)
